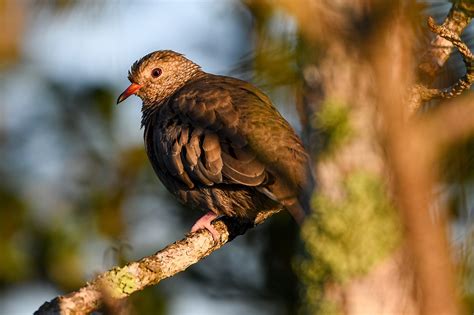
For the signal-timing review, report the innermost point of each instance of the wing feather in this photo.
(221, 131)
(231, 135)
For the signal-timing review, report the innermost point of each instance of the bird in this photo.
(217, 143)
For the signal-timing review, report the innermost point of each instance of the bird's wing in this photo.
(230, 133)
(210, 147)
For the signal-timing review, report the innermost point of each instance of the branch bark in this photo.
(120, 282)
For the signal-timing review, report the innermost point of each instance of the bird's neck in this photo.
(148, 112)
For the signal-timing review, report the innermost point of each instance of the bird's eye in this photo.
(155, 73)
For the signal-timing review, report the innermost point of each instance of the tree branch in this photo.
(440, 49)
(447, 37)
(120, 282)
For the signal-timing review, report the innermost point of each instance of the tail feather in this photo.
(297, 211)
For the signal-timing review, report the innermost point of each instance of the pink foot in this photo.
(205, 223)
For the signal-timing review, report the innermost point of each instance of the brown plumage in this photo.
(217, 143)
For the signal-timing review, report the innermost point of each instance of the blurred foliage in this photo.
(14, 260)
(456, 169)
(144, 301)
(273, 61)
(62, 248)
(458, 161)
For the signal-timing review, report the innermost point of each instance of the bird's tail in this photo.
(297, 211)
(300, 207)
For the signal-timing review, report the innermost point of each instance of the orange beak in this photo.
(132, 89)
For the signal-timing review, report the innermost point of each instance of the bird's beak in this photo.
(132, 89)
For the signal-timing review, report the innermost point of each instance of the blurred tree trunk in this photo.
(358, 264)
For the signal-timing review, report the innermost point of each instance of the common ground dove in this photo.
(216, 142)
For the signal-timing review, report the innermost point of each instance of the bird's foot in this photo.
(205, 223)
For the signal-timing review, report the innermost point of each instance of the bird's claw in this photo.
(205, 223)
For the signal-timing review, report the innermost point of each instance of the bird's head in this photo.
(158, 75)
